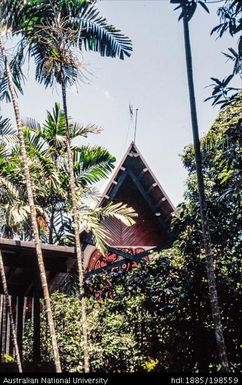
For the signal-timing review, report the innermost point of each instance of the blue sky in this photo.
(153, 80)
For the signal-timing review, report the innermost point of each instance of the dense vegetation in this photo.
(157, 316)
(46, 151)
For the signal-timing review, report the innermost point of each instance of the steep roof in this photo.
(133, 182)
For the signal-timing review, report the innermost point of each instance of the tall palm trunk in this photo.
(203, 207)
(9, 308)
(79, 253)
(32, 209)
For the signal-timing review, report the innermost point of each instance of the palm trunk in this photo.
(9, 308)
(32, 210)
(51, 226)
(203, 208)
(79, 253)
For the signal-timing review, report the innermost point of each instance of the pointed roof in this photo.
(134, 183)
(145, 175)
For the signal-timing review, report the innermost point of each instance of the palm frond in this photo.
(91, 164)
(31, 124)
(15, 64)
(8, 191)
(76, 25)
(3, 153)
(119, 211)
(91, 220)
(18, 214)
(53, 131)
(11, 13)
(78, 130)
(32, 140)
(96, 35)
(7, 132)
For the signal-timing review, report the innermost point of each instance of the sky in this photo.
(153, 80)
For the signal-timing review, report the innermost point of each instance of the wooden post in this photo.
(4, 327)
(36, 325)
(24, 311)
(1, 319)
(36, 316)
(8, 330)
(19, 323)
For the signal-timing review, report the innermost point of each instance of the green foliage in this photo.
(221, 153)
(111, 345)
(53, 33)
(230, 21)
(154, 299)
(153, 318)
(150, 365)
(139, 322)
(8, 358)
(229, 13)
(46, 148)
(157, 316)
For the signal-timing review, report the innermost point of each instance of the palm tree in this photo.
(45, 147)
(87, 165)
(188, 9)
(54, 32)
(91, 164)
(14, 209)
(7, 193)
(33, 213)
(46, 151)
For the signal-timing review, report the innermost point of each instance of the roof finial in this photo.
(135, 125)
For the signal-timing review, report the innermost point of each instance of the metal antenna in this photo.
(135, 126)
(131, 113)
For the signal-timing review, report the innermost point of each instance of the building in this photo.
(134, 184)
(131, 183)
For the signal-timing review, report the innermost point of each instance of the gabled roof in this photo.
(133, 182)
(144, 175)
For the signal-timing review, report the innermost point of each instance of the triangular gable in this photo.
(145, 173)
(133, 182)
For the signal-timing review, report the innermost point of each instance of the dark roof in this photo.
(134, 163)
(133, 183)
(21, 266)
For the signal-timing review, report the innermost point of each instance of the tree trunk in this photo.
(203, 207)
(9, 308)
(32, 209)
(79, 253)
(51, 225)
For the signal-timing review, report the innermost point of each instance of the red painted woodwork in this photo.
(147, 230)
(134, 184)
(98, 260)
